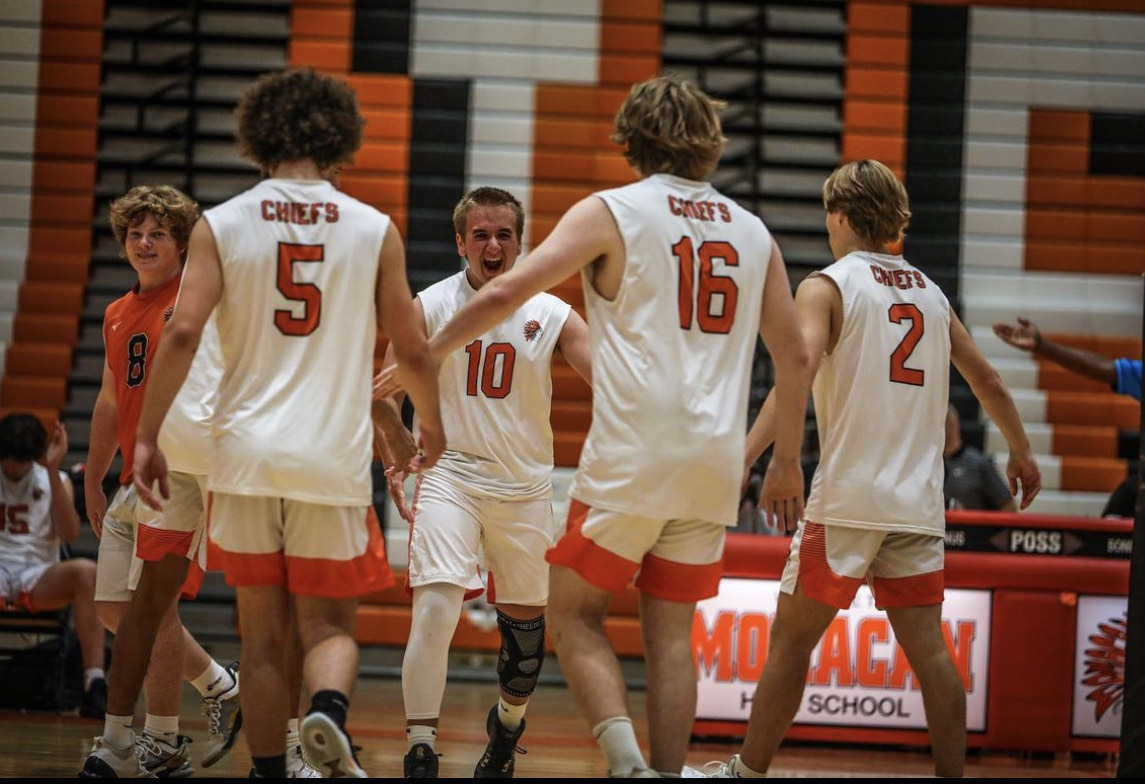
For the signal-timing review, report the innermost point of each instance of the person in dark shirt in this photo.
(972, 480)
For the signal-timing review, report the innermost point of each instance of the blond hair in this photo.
(171, 208)
(668, 125)
(873, 199)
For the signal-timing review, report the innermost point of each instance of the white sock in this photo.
(92, 674)
(739, 770)
(213, 681)
(292, 738)
(117, 731)
(617, 739)
(510, 715)
(420, 733)
(164, 728)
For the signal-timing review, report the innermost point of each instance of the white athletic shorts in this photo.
(452, 529)
(321, 550)
(18, 580)
(117, 566)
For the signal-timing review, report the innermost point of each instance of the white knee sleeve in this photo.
(436, 610)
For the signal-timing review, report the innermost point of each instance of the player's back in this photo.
(672, 353)
(297, 326)
(880, 399)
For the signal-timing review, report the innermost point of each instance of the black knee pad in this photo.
(522, 654)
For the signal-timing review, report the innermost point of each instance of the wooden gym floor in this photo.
(558, 742)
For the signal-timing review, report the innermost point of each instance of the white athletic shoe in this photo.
(105, 762)
(296, 765)
(224, 720)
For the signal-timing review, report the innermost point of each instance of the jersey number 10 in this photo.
(492, 385)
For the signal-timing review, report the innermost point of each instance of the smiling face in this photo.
(490, 245)
(153, 252)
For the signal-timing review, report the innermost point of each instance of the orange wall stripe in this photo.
(1085, 441)
(1077, 222)
(322, 33)
(1084, 408)
(1092, 474)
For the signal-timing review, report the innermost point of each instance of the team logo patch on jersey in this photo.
(168, 313)
(533, 329)
(37, 494)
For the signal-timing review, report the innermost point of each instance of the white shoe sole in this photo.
(327, 749)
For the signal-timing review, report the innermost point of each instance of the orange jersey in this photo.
(131, 329)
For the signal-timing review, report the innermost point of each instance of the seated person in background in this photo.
(1123, 375)
(37, 513)
(972, 480)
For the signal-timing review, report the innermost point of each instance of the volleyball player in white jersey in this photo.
(491, 491)
(300, 273)
(882, 336)
(37, 514)
(679, 281)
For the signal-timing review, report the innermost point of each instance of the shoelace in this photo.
(145, 744)
(213, 710)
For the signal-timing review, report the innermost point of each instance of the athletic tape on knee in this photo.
(522, 654)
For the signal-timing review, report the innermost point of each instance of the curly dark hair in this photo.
(22, 437)
(170, 207)
(299, 114)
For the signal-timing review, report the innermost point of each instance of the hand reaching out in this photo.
(1024, 335)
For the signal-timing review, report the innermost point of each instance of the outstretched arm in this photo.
(991, 391)
(1026, 336)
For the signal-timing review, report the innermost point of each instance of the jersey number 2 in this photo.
(900, 373)
(307, 293)
(491, 385)
(698, 300)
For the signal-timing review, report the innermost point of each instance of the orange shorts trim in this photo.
(155, 544)
(677, 582)
(600, 567)
(322, 577)
(815, 575)
(917, 590)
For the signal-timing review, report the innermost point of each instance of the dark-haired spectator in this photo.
(37, 515)
(972, 481)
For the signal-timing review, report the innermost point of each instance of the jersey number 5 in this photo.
(900, 373)
(698, 300)
(307, 293)
(491, 385)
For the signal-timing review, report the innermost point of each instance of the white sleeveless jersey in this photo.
(672, 354)
(185, 437)
(496, 394)
(27, 536)
(880, 400)
(297, 326)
